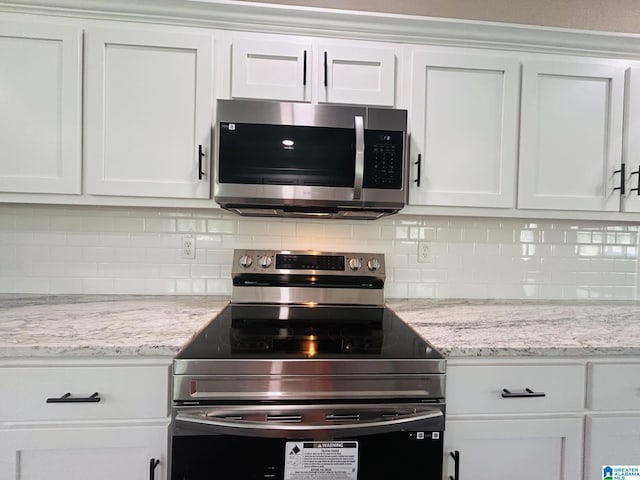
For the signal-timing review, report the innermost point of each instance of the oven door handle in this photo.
(431, 420)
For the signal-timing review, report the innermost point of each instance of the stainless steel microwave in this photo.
(292, 159)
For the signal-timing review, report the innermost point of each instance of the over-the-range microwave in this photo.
(292, 159)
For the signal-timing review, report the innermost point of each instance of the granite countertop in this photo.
(101, 325)
(110, 325)
(522, 328)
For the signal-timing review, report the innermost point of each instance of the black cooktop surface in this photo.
(296, 331)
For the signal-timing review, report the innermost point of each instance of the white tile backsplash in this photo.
(50, 249)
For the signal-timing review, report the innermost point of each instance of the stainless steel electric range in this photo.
(305, 375)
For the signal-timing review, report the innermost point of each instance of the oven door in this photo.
(303, 442)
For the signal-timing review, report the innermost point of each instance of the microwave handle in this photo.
(359, 172)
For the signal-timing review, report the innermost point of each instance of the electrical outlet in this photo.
(424, 252)
(188, 247)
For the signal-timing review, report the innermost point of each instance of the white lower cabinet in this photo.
(79, 453)
(506, 448)
(514, 418)
(612, 433)
(611, 440)
(84, 418)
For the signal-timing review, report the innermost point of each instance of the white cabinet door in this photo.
(40, 108)
(266, 69)
(571, 135)
(524, 449)
(283, 69)
(148, 108)
(356, 75)
(80, 453)
(631, 154)
(463, 120)
(611, 441)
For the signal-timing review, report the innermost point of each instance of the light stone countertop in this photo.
(101, 325)
(465, 327)
(111, 325)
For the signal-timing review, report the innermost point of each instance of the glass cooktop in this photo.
(297, 332)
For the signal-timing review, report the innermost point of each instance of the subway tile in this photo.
(449, 235)
(146, 240)
(159, 286)
(252, 228)
(366, 232)
(97, 224)
(138, 251)
(128, 224)
(65, 224)
(205, 271)
(33, 285)
(221, 226)
(32, 222)
(474, 235)
(98, 285)
(191, 225)
(174, 271)
(501, 235)
(286, 229)
(420, 290)
(160, 225)
(65, 286)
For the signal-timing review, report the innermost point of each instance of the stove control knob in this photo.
(245, 261)
(373, 264)
(265, 261)
(354, 263)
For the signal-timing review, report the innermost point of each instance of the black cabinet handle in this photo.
(637, 189)
(67, 398)
(622, 179)
(419, 164)
(200, 157)
(527, 392)
(304, 69)
(456, 465)
(326, 71)
(153, 463)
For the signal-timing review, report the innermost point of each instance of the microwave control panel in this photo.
(383, 159)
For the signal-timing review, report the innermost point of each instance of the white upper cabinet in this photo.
(270, 70)
(571, 135)
(302, 70)
(148, 113)
(40, 107)
(463, 122)
(631, 146)
(358, 75)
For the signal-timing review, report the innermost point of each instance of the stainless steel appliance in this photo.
(306, 375)
(292, 159)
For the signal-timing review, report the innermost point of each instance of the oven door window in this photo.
(286, 155)
(402, 455)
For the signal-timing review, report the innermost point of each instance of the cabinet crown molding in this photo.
(247, 16)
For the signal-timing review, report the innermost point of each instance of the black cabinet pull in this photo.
(326, 71)
(67, 398)
(419, 164)
(304, 69)
(200, 157)
(153, 463)
(456, 465)
(622, 179)
(527, 392)
(637, 189)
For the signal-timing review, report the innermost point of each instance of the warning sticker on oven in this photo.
(321, 461)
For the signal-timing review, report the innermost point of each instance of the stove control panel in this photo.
(305, 261)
